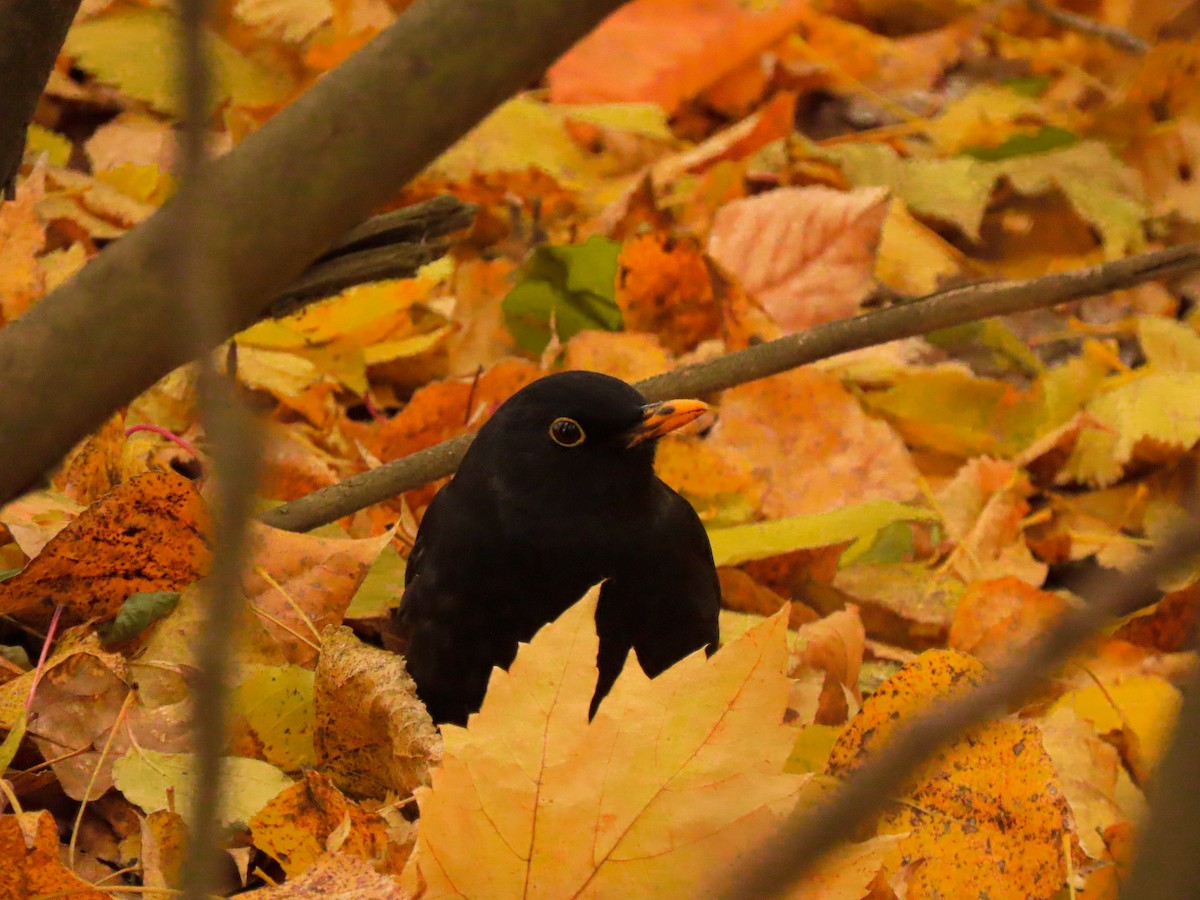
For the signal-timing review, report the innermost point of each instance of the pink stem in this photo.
(41, 666)
(169, 435)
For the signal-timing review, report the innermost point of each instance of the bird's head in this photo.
(581, 433)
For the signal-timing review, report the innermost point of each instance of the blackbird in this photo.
(556, 494)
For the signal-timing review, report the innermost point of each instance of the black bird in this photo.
(556, 493)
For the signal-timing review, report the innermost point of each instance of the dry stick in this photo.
(208, 316)
(943, 310)
(812, 832)
(1167, 865)
(1118, 37)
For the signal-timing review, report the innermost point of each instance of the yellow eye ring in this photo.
(567, 432)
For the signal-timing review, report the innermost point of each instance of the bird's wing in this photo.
(421, 542)
(666, 604)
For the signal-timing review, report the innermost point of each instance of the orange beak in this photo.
(663, 417)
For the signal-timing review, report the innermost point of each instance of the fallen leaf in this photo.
(295, 827)
(806, 254)
(991, 797)
(671, 782)
(996, 620)
(148, 534)
(372, 733)
(336, 876)
(29, 845)
(666, 51)
(816, 448)
(157, 781)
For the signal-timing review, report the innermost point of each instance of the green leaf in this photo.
(1031, 86)
(573, 286)
(153, 780)
(858, 524)
(812, 748)
(1049, 137)
(381, 589)
(1008, 350)
(17, 655)
(12, 742)
(6, 574)
(137, 613)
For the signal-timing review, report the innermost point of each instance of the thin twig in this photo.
(802, 841)
(208, 317)
(942, 310)
(1118, 37)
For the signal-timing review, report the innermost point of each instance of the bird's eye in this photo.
(566, 432)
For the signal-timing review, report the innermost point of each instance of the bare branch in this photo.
(965, 304)
(207, 316)
(1118, 37)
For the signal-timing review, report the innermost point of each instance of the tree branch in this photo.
(1118, 37)
(287, 193)
(954, 307)
(31, 34)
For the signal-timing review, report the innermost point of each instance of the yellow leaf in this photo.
(296, 825)
(1158, 415)
(646, 119)
(1169, 346)
(154, 781)
(1144, 707)
(859, 524)
(403, 348)
(273, 708)
(519, 134)
(135, 50)
(992, 797)
(287, 20)
(667, 786)
(40, 140)
(283, 374)
(912, 258)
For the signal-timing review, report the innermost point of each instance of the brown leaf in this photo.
(663, 287)
(298, 826)
(299, 583)
(996, 620)
(832, 645)
(337, 876)
(148, 534)
(984, 507)
(373, 735)
(93, 467)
